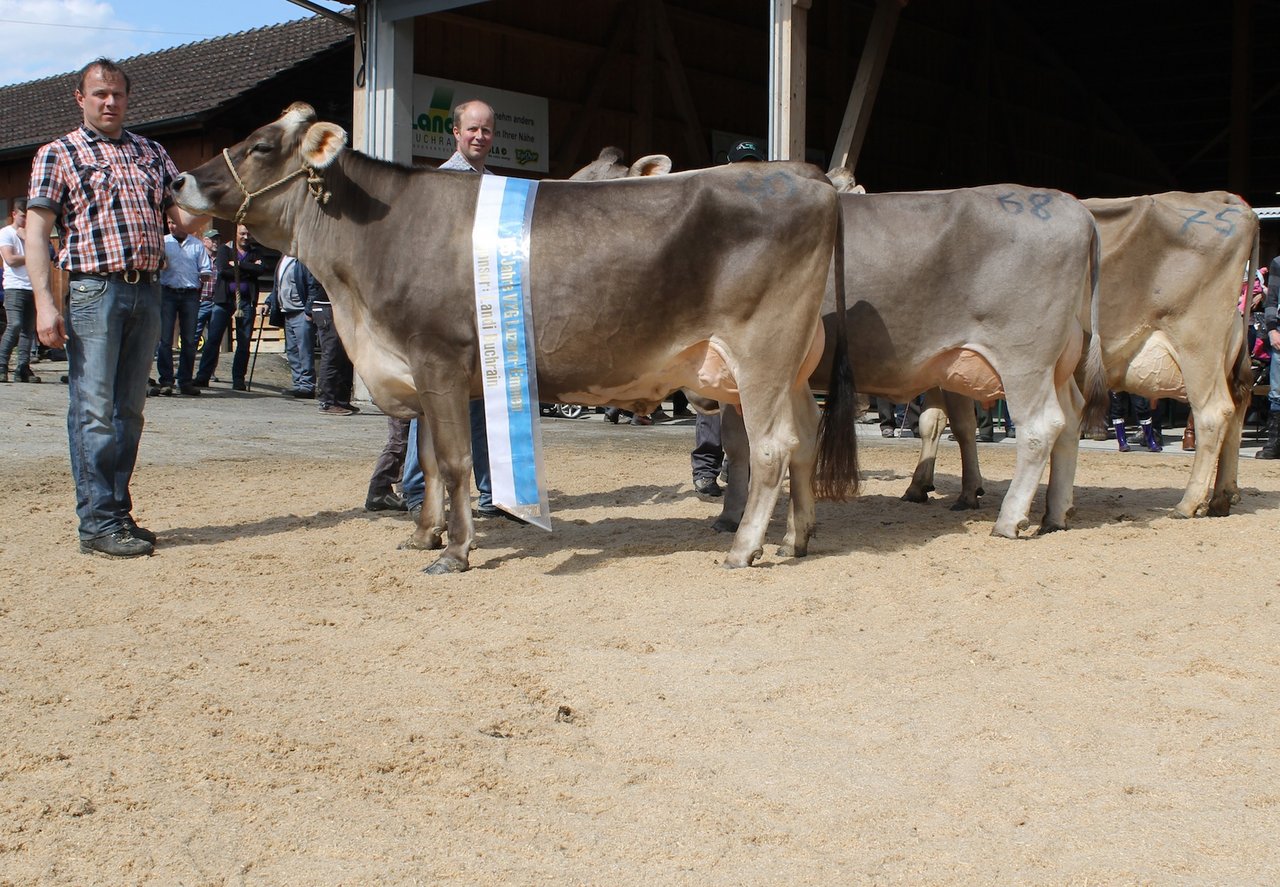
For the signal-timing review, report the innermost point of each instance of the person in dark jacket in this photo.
(336, 375)
(1271, 449)
(229, 296)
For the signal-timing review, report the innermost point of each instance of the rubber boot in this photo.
(1151, 437)
(1271, 449)
(1189, 435)
(1118, 426)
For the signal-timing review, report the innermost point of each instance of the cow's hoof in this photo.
(1180, 515)
(914, 494)
(1046, 528)
(966, 503)
(735, 562)
(1220, 506)
(1009, 532)
(413, 543)
(725, 525)
(446, 564)
(792, 551)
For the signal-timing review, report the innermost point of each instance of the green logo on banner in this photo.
(439, 116)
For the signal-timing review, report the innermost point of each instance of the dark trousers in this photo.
(1119, 411)
(336, 376)
(390, 465)
(246, 317)
(707, 455)
(890, 418)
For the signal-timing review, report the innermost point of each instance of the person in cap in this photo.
(745, 150)
(211, 239)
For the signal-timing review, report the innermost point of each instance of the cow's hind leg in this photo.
(1060, 498)
(737, 449)
(1226, 490)
(1040, 421)
(802, 514)
(771, 431)
(1216, 421)
(931, 425)
(428, 534)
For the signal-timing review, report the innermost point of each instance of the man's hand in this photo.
(1274, 338)
(50, 326)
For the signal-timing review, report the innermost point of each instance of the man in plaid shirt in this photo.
(108, 189)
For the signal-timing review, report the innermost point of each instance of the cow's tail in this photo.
(1096, 400)
(1242, 371)
(837, 470)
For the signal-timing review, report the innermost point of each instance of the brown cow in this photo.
(710, 281)
(984, 292)
(1168, 326)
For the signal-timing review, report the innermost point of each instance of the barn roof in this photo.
(173, 86)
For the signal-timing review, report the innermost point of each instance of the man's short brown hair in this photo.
(108, 68)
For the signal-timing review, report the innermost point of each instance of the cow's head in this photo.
(609, 166)
(254, 180)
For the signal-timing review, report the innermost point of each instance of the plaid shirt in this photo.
(111, 197)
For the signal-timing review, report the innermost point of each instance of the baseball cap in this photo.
(211, 233)
(745, 150)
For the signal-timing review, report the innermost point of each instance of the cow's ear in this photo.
(651, 165)
(322, 144)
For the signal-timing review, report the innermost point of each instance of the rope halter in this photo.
(315, 184)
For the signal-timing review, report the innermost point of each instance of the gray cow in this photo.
(711, 281)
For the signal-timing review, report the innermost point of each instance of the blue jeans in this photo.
(413, 484)
(182, 306)
(20, 308)
(300, 350)
(1273, 396)
(213, 320)
(112, 328)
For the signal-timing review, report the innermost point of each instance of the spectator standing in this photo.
(211, 240)
(186, 266)
(19, 302)
(299, 328)
(238, 294)
(333, 385)
(1271, 449)
(112, 249)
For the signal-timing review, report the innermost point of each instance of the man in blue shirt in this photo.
(186, 264)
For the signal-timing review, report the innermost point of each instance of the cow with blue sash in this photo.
(710, 280)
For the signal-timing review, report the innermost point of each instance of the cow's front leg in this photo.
(931, 423)
(449, 417)
(737, 450)
(428, 533)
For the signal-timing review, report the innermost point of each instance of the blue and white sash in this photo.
(500, 251)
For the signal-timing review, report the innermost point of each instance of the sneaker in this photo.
(350, 407)
(153, 391)
(416, 513)
(641, 420)
(166, 391)
(334, 409)
(27, 376)
(886, 432)
(239, 386)
(659, 415)
(189, 390)
(121, 543)
(138, 532)
(201, 383)
(384, 502)
(707, 486)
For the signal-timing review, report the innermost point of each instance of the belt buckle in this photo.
(131, 277)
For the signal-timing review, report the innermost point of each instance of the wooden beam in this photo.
(1238, 146)
(788, 66)
(866, 83)
(570, 145)
(695, 139)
